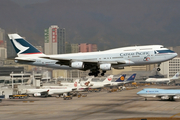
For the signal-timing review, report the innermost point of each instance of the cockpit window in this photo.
(164, 51)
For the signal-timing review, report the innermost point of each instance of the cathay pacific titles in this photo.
(134, 53)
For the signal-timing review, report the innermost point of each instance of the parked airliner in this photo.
(121, 80)
(164, 94)
(93, 61)
(168, 80)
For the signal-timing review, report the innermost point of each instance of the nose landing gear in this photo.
(159, 69)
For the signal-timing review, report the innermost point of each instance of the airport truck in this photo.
(18, 96)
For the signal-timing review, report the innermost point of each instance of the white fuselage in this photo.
(158, 80)
(99, 84)
(120, 57)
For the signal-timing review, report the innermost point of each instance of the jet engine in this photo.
(165, 97)
(105, 66)
(37, 94)
(176, 97)
(77, 65)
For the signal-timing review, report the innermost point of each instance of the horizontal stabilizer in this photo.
(25, 59)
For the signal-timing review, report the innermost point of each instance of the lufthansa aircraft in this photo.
(96, 62)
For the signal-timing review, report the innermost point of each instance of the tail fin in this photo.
(131, 78)
(76, 82)
(21, 46)
(176, 76)
(109, 78)
(121, 79)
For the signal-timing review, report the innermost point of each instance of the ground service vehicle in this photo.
(18, 96)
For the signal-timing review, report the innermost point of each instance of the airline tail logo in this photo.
(75, 84)
(22, 46)
(177, 75)
(86, 83)
(109, 78)
(122, 78)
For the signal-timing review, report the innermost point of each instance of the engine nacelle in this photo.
(105, 66)
(37, 94)
(77, 65)
(176, 97)
(164, 97)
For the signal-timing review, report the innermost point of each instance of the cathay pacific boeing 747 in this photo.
(96, 62)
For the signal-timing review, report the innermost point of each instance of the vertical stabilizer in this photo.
(21, 46)
(109, 78)
(131, 78)
(176, 76)
(121, 79)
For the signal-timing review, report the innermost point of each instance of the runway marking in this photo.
(178, 114)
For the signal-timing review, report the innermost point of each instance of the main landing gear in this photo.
(96, 72)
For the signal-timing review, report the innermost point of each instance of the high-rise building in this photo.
(3, 53)
(84, 47)
(171, 67)
(50, 40)
(68, 47)
(54, 40)
(74, 48)
(2, 34)
(61, 41)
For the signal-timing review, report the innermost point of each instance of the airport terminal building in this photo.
(171, 67)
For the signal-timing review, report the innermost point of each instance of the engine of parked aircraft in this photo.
(78, 65)
(176, 97)
(164, 97)
(105, 66)
(37, 94)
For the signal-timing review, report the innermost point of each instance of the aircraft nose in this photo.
(175, 54)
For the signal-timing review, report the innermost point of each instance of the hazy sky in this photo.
(108, 23)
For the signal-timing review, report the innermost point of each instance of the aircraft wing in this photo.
(106, 85)
(170, 95)
(63, 61)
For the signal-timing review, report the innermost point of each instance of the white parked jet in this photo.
(153, 80)
(164, 94)
(77, 86)
(48, 91)
(93, 61)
